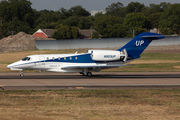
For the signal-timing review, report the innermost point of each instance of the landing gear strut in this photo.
(21, 73)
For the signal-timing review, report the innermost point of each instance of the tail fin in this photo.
(138, 44)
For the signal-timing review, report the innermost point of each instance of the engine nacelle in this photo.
(104, 55)
(108, 55)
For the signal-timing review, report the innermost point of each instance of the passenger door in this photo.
(41, 61)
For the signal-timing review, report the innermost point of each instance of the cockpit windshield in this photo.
(26, 59)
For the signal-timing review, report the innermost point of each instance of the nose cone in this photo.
(10, 66)
(13, 66)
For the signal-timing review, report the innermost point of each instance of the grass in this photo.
(148, 62)
(90, 104)
(160, 67)
(160, 56)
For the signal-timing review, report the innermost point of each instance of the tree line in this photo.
(119, 20)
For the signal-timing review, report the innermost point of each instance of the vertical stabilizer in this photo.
(138, 44)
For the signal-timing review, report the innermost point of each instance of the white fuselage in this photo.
(67, 62)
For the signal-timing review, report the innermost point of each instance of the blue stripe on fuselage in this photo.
(84, 58)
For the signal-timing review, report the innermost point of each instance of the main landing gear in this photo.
(89, 74)
(21, 73)
(86, 73)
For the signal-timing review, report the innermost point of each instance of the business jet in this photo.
(86, 63)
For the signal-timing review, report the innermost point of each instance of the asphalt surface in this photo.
(101, 80)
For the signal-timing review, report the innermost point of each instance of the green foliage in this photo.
(66, 32)
(117, 31)
(3, 31)
(17, 26)
(170, 20)
(15, 8)
(17, 15)
(99, 14)
(153, 8)
(71, 21)
(135, 20)
(78, 11)
(95, 35)
(80, 22)
(153, 20)
(134, 7)
(85, 22)
(164, 6)
(74, 32)
(46, 19)
(105, 25)
(116, 9)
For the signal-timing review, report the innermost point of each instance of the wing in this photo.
(96, 66)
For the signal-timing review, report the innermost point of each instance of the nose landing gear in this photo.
(21, 73)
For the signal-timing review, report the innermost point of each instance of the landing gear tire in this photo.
(89, 74)
(21, 74)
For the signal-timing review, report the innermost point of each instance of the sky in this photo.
(88, 4)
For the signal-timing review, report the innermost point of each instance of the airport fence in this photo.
(98, 43)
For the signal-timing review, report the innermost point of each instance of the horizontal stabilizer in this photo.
(153, 36)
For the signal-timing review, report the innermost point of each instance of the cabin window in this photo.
(26, 59)
(70, 58)
(59, 58)
(47, 58)
(76, 58)
(64, 58)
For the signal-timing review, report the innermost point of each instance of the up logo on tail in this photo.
(139, 43)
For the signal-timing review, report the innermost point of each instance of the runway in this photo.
(101, 80)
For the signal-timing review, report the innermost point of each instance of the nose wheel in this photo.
(21, 73)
